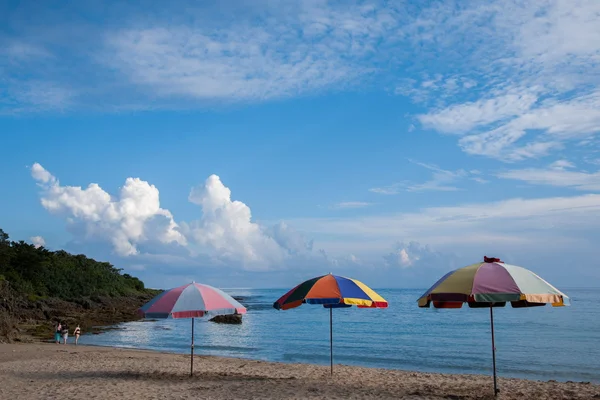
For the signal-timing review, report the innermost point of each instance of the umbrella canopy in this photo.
(191, 301)
(331, 291)
(492, 281)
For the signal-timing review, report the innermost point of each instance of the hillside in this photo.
(38, 286)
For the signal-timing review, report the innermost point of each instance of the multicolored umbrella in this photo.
(331, 291)
(193, 300)
(492, 283)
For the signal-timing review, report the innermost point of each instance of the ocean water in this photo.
(540, 343)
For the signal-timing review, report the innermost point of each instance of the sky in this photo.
(261, 143)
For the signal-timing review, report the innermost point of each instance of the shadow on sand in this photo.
(148, 376)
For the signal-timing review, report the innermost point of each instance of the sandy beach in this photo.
(50, 371)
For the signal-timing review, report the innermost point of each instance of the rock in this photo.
(227, 319)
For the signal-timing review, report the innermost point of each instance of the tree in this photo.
(40, 272)
(4, 238)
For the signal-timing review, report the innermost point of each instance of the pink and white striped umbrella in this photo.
(191, 301)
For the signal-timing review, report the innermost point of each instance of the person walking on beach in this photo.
(65, 332)
(76, 333)
(57, 330)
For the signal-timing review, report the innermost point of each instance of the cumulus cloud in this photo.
(127, 220)
(416, 255)
(225, 240)
(37, 241)
(226, 227)
(414, 264)
(135, 226)
(226, 231)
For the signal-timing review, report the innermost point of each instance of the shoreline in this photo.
(101, 330)
(40, 370)
(326, 364)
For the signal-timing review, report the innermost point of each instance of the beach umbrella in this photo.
(193, 300)
(331, 291)
(492, 283)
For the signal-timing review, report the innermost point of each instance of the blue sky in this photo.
(259, 143)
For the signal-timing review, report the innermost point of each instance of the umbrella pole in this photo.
(331, 338)
(493, 348)
(192, 351)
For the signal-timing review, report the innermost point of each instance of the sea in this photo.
(540, 343)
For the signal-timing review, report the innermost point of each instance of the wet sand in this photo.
(50, 371)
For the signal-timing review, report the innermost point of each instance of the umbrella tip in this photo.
(491, 260)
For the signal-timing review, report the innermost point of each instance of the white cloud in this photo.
(437, 85)
(556, 175)
(388, 190)
(480, 180)
(414, 256)
(593, 161)
(261, 50)
(18, 50)
(226, 228)
(138, 230)
(508, 224)
(462, 118)
(41, 175)
(564, 31)
(561, 165)
(226, 240)
(37, 241)
(303, 47)
(442, 180)
(578, 118)
(351, 204)
(401, 258)
(551, 48)
(132, 218)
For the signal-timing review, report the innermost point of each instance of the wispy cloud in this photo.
(513, 223)
(561, 165)
(556, 175)
(351, 204)
(16, 51)
(256, 52)
(442, 180)
(527, 86)
(295, 49)
(538, 85)
(394, 188)
(461, 118)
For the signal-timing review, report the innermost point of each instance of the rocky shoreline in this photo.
(32, 320)
(29, 320)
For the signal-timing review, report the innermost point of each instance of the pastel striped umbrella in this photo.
(193, 300)
(331, 291)
(492, 283)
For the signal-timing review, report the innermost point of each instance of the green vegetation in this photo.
(39, 273)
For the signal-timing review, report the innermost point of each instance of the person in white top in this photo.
(65, 332)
